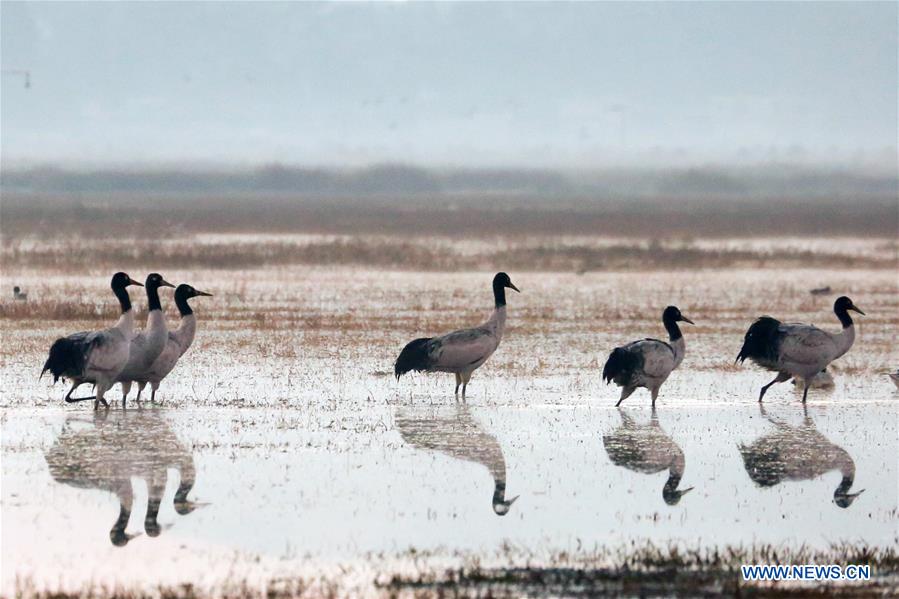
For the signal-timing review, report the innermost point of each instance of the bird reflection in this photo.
(798, 453)
(648, 449)
(105, 452)
(453, 431)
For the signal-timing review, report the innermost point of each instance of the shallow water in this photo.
(296, 452)
(445, 477)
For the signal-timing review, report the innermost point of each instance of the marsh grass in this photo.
(651, 570)
(635, 570)
(546, 254)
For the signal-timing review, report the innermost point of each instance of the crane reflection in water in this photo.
(106, 451)
(648, 449)
(454, 432)
(798, 453)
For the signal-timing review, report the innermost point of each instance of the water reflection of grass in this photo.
(636, 570)
(648, 570)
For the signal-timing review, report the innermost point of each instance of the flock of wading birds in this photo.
(121, 355)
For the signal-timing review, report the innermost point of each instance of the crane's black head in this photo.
(673, 314)
(841, 308)
(121, 280)
(186, 291)
(183, 293)
(155, 280)
(502, 280)
(16, 289)
(844, 304)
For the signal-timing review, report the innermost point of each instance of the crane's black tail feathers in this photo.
(413, 357)
(621, 366)
(762, 342)
(67, 356)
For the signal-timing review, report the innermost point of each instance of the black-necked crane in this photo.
(648, 449)
(149, 343)
(96, 356)
(798, 453)
(176, 345)
(19, 295)
(460, 352)
(647, 362)
(797, 350)
(454, 432)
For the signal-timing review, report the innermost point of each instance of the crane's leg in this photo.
(625, 393)
(140, 389)
(781, 377)
(153, 388)
(466, 376)
(70, 399)
(655, 394)
(126, 389)
(805, 391)
(458, 382)
(102, 387)
(68, 396)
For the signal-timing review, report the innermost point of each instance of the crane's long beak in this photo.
(133, 282)
(165, 284)
(514, 287)
(204, 294)
(856, 309)
(685, 319)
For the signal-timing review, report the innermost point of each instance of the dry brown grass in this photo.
(59, 310)
(421, 254)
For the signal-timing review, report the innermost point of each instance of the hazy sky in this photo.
(449, 84)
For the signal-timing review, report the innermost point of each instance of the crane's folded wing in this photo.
(460, 349)
(805, 344)
(658, 356)
(109, 351)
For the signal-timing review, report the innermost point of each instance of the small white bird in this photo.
(96, 356)
(149, 343)
(648, 362)
(797, 350)
(648, 449)
(176, 345)
(19, 295)
(460, 352)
